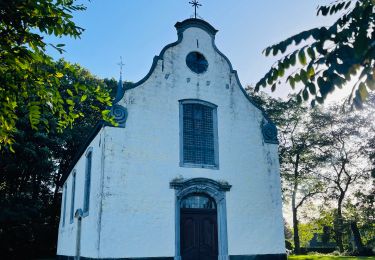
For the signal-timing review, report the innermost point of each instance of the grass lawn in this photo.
(322, 257)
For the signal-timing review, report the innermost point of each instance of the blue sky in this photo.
(138, 30)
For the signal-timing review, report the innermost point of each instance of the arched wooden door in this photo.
(198, 228)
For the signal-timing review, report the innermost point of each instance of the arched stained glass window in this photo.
(198, 201)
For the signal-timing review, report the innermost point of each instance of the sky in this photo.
(138, 30)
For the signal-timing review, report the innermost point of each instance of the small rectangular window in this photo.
(72, 198)
(86, 203)
(64, 204)
(199, 143)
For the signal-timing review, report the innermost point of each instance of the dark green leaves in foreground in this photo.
(327, 58)
(29, 77)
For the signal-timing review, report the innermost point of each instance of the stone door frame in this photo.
(216, 190)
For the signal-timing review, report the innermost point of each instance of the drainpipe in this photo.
(78, 215)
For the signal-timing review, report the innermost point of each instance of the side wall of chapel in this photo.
(90, 225)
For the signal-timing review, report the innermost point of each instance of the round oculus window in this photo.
(196, 62)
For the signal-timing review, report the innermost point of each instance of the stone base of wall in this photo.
(232, 257)
(64, 257)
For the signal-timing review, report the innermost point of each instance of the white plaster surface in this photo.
(138, 163)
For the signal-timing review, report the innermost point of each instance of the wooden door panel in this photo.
(189, 233)
(208, 237)
(198, 230)
(207, 233)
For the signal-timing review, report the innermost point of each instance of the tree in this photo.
(328, 57)
(29, 79)
(297, 155)
(342, 138)
(361, 208)
(29, 177)
(297, 161)
(321, 223)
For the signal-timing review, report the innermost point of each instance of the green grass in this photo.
(329, 257)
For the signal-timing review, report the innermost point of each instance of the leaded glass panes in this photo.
(64, 204)
(196, 62)
(72, 197)
(198, 134)
(198, 201)
(86, 202)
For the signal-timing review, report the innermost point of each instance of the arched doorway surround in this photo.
(215, 190)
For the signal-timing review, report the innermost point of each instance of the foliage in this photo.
(298, 159)
(325, 153)
(331, 57)
(343, 137)
(306, 232)
(29, 79)
(321, 224)
(29, 194)
(327, 257)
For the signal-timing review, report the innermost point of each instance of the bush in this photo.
(288, 245)
(365, 252)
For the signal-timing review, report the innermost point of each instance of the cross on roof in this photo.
(121, 64)
(196, 5)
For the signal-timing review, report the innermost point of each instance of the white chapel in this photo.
(190, 172)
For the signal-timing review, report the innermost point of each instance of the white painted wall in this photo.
(89, 234)
(140, 161)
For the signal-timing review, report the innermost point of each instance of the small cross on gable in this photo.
(121, 64)
(196, 5)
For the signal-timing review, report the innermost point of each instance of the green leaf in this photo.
(282, 46)
(280, 72)
(293, 59)
(312, 88)
(292, 82)
(310, 72)
(70, 93)
(105, 112)
(324, 10)
(303, 75)
(274, 51)
(302, 57)
(305, 94)
(267, 51)
(363, 93)
(311, 53)
(83, 98)
(273, 88)
(297, 78)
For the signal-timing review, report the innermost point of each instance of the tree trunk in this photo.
(34, 186)
(339, 224)
(357, 236)
(55, 206)
(297, 247)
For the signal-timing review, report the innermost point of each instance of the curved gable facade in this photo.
(189, 137)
